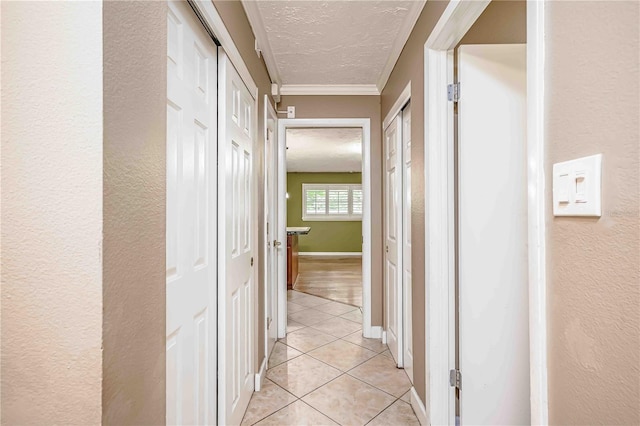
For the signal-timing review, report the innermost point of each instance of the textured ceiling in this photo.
(334, 42)
(324, 150)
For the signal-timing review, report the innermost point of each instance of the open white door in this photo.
(393, 237)
(191, 220)
(271, 223)
(493, 285)
(406, 242)
(236, 245)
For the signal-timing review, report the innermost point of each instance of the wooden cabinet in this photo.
(292, 260)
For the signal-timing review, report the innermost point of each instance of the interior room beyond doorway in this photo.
(324, 213)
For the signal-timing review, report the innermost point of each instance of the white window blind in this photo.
(331, 202)
(316, 201)
(356, 203)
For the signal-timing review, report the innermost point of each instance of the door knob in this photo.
(276, 243)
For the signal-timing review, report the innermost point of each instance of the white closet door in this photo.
(493, 285)
(191, 220)
(393, 237)
(236, 244)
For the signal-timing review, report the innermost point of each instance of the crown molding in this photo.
(329, 89)
(255, 20)
(400, 41)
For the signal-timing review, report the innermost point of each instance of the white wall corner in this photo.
(373, 332)
(275, 92)
(419, 408)
(260, 375)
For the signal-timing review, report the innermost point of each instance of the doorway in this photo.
(324, 213)
(452, 227)
(347, 193)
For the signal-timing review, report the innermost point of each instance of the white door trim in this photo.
(269, 113)
(456, 20)
(398, 105)
(365, 124)
(394, 338)
(537, 211)
(207, 11)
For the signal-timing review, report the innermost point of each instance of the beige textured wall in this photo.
(592, 77)
(502, 22)
(410, 67)
(51, 212)
(135, 86)
(237, 24)
(355, 107)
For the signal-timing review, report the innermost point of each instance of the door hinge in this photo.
(252, 261)
(268, 323)
(453, 92)
(455, 379)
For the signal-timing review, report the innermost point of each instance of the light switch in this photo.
(577, 187)
(581, 186)
(564, 183)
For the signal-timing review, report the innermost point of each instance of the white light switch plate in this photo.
(577, 188)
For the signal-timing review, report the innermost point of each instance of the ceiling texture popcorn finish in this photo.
(335, 47)
(324, 150)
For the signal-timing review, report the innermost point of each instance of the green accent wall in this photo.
(324, 236)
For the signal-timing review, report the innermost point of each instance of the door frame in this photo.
(269, 113)
(454, 23)
(399, 104)
(292, 123)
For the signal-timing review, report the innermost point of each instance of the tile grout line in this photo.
(341, 372)
(284, 406)
(383, 410)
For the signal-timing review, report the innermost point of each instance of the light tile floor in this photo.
(325, 373)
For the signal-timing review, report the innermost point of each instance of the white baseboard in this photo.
(260, 375)
(384, 337)
(373, 332)
(330, 253)
(418, 408)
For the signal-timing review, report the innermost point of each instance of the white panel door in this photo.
(236, 244)
(406, 242)
(271, 202)
(493, 286)
(191, 220)
(393, 237)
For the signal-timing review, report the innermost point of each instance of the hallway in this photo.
(326, 373)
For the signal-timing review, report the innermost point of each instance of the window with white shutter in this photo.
(331, 202)
(356, 201)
